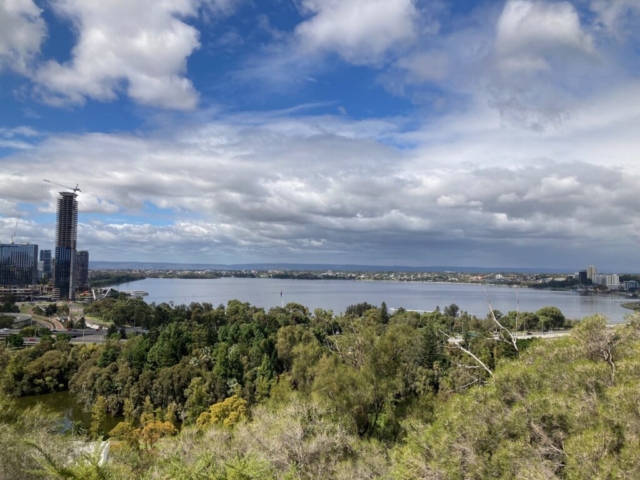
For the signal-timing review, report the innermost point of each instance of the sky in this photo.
(384, 132)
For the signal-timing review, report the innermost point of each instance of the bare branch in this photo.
(517, 310)
(470, 367)
(500, 326)
(463, 386)
(468, 352)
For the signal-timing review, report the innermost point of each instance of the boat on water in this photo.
(583, 291)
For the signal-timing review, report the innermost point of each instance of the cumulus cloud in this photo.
(287, 187)
(22, 31)
(534, 61)
(138, 47)
(529, 33)
(541, 63)
(360, 31)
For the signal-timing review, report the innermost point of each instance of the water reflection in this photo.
(65, 405)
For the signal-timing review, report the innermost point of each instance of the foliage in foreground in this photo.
(565, 409)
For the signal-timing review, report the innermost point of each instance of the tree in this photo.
(384, 313)
(127, 433)
(98, 417)
(51, 309)
(155, 430)
(14, 341)
(600, 341)
(358, 309)
(451, 311)
(8, 304)
(550, 317)
(28, 332)
(228, 413)
(63, 337)
(6, 321)
(198, 399)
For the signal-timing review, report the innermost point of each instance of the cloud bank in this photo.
(307, 188)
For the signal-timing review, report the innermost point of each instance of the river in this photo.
(336, 295)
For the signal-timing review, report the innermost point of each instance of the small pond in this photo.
(65, 404)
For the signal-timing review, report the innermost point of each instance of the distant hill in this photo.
(100, 265)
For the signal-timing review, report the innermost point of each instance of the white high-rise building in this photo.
(613, 281)
(592, 273)
(599, 279)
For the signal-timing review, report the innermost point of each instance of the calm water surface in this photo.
(336, 295)
(64, 404)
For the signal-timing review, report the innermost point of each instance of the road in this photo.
(77, 337)
(524, 336)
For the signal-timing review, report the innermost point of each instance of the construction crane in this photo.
(15, 230)
(75, 190)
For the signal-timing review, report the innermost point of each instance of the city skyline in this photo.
(487, 133)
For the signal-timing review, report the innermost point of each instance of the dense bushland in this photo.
(290, 394)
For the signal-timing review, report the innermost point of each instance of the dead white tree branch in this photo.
(511, 339)
(468, 352)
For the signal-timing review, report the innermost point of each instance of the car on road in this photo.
(4, 330)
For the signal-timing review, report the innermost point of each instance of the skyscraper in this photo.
(18, 264)
(45, 258)
(582, 277)
(592, 273)
(66, 238)
(82, 265)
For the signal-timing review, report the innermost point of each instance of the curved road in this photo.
(50, 323)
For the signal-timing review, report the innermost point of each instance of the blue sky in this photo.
(488, 133)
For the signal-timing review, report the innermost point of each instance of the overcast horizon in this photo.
(373, 132)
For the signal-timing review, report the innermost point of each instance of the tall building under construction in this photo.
(65, 272)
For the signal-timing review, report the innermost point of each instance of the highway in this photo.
(86, 336)
(77, 336)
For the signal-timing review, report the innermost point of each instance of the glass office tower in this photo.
(18, 264)
(45, 258)
(82, 263)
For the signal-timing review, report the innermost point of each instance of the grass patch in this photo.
(631, 305)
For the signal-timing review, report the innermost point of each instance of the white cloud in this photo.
(302, 188)
(529, 33)
(139, 47)
(425, 66)
(8, 209)
(222, 7)
(542, 65)
(618, 17)
(360, 31)
(22, 31)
